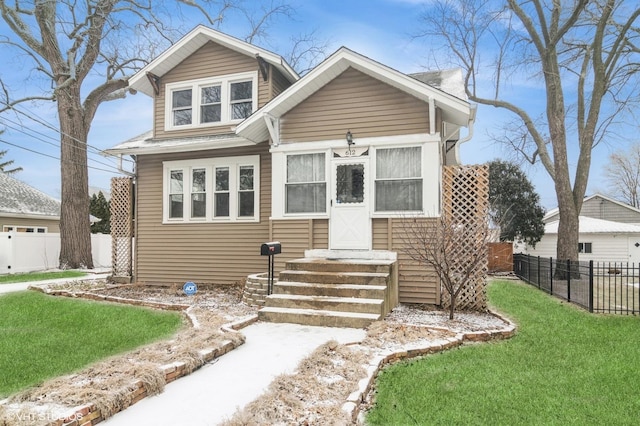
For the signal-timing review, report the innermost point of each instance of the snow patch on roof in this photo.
(590, 225)
(449, 81)
(19, 198)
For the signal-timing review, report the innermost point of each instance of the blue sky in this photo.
(379, 29)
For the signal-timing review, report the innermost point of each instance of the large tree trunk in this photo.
(75, 227)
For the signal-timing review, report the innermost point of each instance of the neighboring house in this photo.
(26, 209)
(244, 151)
(609, 232)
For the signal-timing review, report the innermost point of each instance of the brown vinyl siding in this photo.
(210, 61)
(218, 253)
(356, 102)
(381, 236)
(298, 235)
(278, 82)
(416, 283)
(321, 233)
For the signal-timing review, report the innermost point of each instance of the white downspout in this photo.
(467, 138)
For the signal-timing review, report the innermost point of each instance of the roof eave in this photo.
(18, 215)
(195, 146)
(191, 42)
(456, 110)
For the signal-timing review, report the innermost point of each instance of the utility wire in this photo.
(50, 126)
(22, 129)
(57, 146)
(57, 158)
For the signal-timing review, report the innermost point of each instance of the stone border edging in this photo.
(353, 404)
(103, 298)
(89, 414)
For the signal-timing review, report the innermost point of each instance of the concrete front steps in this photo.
(334, 289)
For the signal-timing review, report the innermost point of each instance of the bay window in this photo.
(217, 189)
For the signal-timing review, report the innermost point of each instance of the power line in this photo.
(22, 130)
(50, 126)
(57, 158)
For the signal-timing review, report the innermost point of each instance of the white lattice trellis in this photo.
(466, 203)
(121, 208)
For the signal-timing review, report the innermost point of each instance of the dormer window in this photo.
(209, 102)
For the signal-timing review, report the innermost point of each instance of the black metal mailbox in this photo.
(271, 248)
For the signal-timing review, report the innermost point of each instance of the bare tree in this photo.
(456, 250)
(4, 165)
(584, 54)
(623, 175)
(307, 51)
(87, 51)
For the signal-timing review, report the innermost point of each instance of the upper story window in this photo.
(208, 102)
(211, 190)
(398, 185)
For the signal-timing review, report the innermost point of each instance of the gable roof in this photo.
(193, 41)
(19, 199)
(454, 110)
(555, 211)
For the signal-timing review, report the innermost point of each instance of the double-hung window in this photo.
(222, 194)
(176, 194)
(210, 104)
(198, 193)
(306, 184)
(207, 102)
(181, 107)
(585, 248)
(399, 180)
(215, 189)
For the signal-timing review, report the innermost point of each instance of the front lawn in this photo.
(564, 366)
(39, 276)
(43, 336)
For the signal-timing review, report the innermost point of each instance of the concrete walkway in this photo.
(10, 288)
(213, 393)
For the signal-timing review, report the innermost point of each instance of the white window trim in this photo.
(431, 173)
(430, 202)
(14, 228)
(209, 164)
(225, 82)
(283, 188)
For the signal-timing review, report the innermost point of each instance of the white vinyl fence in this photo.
(26, 252)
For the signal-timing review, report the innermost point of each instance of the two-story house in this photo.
(245, 151)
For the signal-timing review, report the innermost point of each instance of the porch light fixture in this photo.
(349, 137)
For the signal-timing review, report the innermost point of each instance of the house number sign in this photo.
(352, 151)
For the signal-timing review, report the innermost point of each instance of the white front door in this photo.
(634, 249)
(350, 221)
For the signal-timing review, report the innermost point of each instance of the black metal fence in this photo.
(609, 287)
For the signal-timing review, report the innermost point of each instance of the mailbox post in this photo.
(270, 249)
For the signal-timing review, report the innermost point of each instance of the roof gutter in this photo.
(473, 109)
